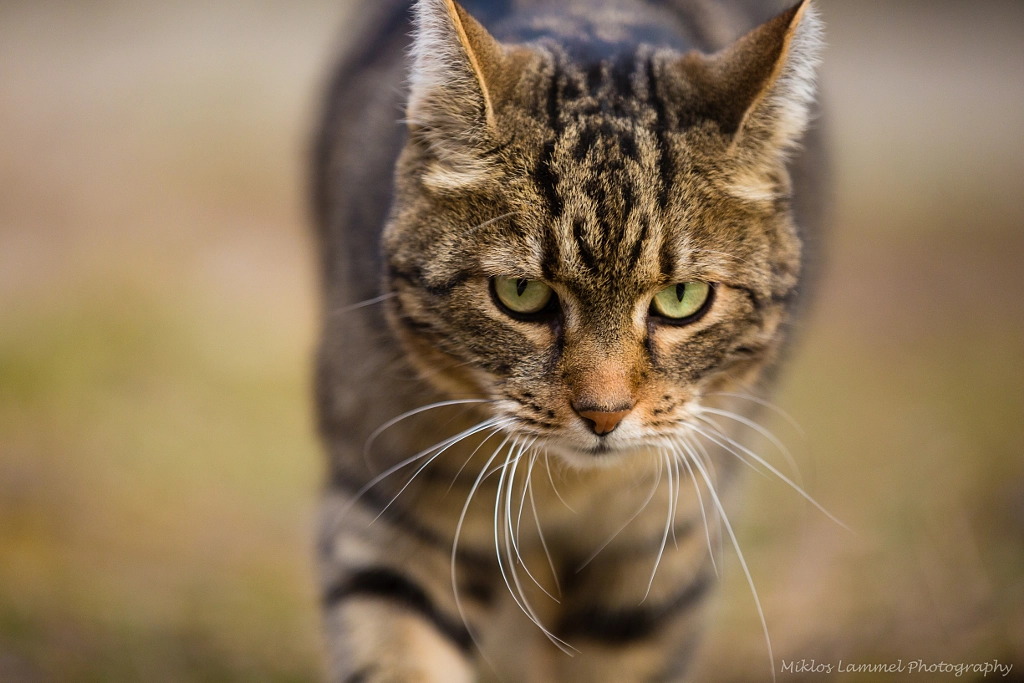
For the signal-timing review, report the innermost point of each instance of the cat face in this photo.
(596, 243)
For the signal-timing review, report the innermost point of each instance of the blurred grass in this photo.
(156, 503)
(158, 468)
(158, 471)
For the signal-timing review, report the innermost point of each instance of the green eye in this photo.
(681, 301)
(522, 296)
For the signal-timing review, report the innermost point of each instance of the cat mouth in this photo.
(605, 452)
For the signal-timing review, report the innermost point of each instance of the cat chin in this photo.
(604, 455)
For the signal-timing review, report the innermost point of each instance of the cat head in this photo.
(596, 236)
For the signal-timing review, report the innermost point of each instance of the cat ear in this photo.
(450, 106)
(761, 88)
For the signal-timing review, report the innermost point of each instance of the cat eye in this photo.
(684, 302)
(522, 296)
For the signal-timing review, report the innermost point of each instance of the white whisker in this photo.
(503, 530)
(486, 223)
(515, 537)
(547, 464)
(770, 468)
(675, 504)
(498, 500)
(763, 432)
(743, 562)
(518, 594)
(654, 489)
(743, 458)
(698, 446)
(498, 428)
(458, 534)
(519, 515)
(368, 302)
(700, 500)
(703, 452)
(395, 420)
(536, 519)
(408, 461)
(767, 404)
(668, 524)
(454, 440)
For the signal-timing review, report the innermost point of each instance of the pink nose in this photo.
(604, 422)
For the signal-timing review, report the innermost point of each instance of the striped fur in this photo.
(609, 149)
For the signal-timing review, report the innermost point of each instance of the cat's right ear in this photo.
(450, 105)
(759, 90)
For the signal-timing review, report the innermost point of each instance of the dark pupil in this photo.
(680, 291)
(521, 286)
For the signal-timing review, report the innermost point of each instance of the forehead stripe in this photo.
(666, 169)
(547, 181)
(638, 246)
(586, 254)
(544, 175)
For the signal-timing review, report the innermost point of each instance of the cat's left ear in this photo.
(451, 107)
(760, 89)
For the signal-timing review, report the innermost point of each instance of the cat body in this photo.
(552, 292)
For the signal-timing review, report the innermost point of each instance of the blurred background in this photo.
(158, 465)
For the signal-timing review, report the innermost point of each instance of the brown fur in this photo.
(595, 151)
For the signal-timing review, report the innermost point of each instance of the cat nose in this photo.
(603, 421)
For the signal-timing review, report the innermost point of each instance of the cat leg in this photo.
(389, 607)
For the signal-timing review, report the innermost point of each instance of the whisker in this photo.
(770, 468)
(458, 534)
(675, 504)
(416, 411)
(454, 440)
(515, 541)
(698, 446)
(540, 532)
(743, 561)
(519, 516)
(509, 537)
(668, 523)
(497, 429)
(363, 304)
(763, 432)
(702, 452)
(498, 500)
(486, 223)
(547, 464)
(408, 461)
(654, 489)
(743, 458)
(518, 594)
(531, 613)
(767, 404)
(500, 509)
(700, 500)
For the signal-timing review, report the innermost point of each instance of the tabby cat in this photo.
(553, 294)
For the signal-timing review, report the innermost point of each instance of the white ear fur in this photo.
(778, 117)
(791, 94)
(449, 103)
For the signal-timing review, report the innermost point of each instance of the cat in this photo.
(552, 292)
